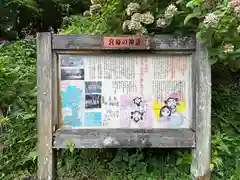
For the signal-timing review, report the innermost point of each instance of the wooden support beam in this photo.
(125, 138)
(156, 43)
(202, 154)
(46, 154)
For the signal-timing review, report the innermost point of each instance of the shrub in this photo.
(18, 104)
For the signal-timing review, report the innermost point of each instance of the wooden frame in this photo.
(52, 138)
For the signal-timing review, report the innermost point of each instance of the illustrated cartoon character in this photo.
(141, 109)
(172, 103)
(165, 111)
(138, 101)
(136, 116)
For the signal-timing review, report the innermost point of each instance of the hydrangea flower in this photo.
(95, 1)
(136, 17)
(125, 25)
(228, 48)
(86, 13)
(95, 8)
(211, 20)
(132, 8)
(170, 11)
(141, 31)
(235, 6)
(134, 25)
(147, 18)
(161, 22)
(238, 29)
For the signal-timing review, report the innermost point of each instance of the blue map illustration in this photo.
(71, 98)
(93, 119)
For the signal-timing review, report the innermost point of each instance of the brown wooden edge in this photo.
(125, 138)
(157, 43)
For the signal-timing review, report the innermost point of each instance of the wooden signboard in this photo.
(126, 91)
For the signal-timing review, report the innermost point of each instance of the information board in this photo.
(125, 91)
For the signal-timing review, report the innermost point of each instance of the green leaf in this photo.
(190, 16)
(213, 60)
(125, 157)
(179, 161)
(237, 51)
(33, 155)
(199, 36)
(190, 4)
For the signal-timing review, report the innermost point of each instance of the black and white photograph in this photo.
(72, 61)
(72, 73)
(93, 87)
(92, 101)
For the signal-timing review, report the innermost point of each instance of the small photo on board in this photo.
(71, 61)
(72, 73)
(93, 87)
(93, 101)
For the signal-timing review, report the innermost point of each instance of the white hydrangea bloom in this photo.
(147, 18)
(125, 25)
(170, 11)
(238, 29)
(211, 20)
(95, 8)
(136, 17)
(141, 31)
(228, 48)
(161, 22)
(235, 6)
(132, 8)
(95, 1)
(134, 25)
(86, 13)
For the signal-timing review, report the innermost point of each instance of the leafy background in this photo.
(20, 20)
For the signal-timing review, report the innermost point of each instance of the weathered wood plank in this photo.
(46, 155)
(125, 138)
(119, 52)
(55, 90)
(159, 42)
(202, 154)
(193, 92)
(75, 42)
(170, 42)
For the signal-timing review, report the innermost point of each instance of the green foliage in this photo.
(217, 27)
(106, 21)
(225, 128)
(18, 104)
(126, 164)
(214, 22)
(20, 18)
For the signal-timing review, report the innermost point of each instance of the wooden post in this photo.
(202, 154)
(46, 154)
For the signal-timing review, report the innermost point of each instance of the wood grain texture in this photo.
(159, 42)
(55, 90)
(130, 52)
(125, 138)
(193, 92)
(46, 154)
(170, 42)
(202, 154)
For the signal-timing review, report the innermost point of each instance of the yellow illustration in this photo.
(156, 108)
